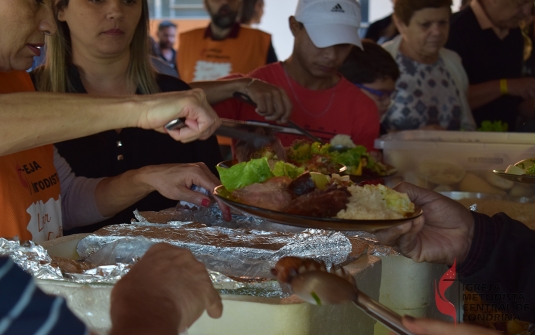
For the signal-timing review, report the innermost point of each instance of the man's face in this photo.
(167, 37)
(223, 12)
(318, 62)
(507, 14)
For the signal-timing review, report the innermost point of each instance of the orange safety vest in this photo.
(202, 58)
(30, 200)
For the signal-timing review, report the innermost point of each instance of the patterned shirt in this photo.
(425, 94)
(25, 309)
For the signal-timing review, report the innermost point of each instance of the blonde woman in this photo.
(101, 48)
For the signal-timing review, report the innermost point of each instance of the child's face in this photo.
(386, 86)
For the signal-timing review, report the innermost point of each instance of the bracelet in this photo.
(249, 85)
(503, 87)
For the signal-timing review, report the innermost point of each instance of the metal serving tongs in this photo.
(247, 99)
(232, 129)
(317, 286)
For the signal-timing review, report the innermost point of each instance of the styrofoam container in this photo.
(473, 153)
(398, 282)
(242, 314)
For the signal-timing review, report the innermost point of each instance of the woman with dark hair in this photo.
(431, 92)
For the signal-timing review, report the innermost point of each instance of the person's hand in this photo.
(166, 291)
(272, 101)
(522, 87)
(201, 119)
(436, 327)
(174, 181)
(441, 234)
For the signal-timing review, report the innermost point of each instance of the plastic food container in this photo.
(448, 161)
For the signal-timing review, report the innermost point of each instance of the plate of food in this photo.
(287, 195)
(521, 172)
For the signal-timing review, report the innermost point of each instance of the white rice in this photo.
(369, 202)
(344, 140)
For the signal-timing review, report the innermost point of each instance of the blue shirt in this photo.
(25, 309)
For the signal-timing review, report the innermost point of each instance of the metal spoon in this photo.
(319, 287)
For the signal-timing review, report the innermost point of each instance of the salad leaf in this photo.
(283, 169)
(245, 173)
(498, 126)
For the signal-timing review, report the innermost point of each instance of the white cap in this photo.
(330, 22)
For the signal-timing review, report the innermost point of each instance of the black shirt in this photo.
(485, 58)
(109, 154)
(376, 31)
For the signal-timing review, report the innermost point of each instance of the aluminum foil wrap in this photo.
(233, 252)
(35, 260)
(211, 216)
(31, 258)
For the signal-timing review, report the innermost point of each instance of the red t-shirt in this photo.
(342, 109)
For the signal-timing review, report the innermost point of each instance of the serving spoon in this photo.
(320, 287)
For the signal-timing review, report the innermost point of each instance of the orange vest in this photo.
(30, 200)
(202, 58)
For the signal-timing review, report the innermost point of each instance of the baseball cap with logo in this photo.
(330, 22)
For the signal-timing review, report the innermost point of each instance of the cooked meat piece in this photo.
(302, 185)
(322, 204)
(271, 194)
(288, 267)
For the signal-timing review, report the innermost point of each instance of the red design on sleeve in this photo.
(444, 305)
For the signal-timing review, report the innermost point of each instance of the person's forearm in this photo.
(114, 194)
(28, 120)
(484, 93)
(219, 90)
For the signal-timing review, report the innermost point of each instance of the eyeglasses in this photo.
(380, 94)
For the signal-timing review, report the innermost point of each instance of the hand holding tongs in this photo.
(320, 287)
(247, 99)
(233, 129)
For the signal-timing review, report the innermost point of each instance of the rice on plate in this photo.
(376, 202)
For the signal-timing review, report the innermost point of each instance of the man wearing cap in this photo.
(323, 101)
(224, 47)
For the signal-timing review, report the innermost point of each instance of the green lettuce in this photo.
(283, 169)
(349, 157)
(245, 173)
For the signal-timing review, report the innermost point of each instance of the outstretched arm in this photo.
(272, 101)
(29, 120)
(173, 181)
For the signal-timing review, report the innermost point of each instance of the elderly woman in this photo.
(39, 195)
(101, 48)
(431, 91)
